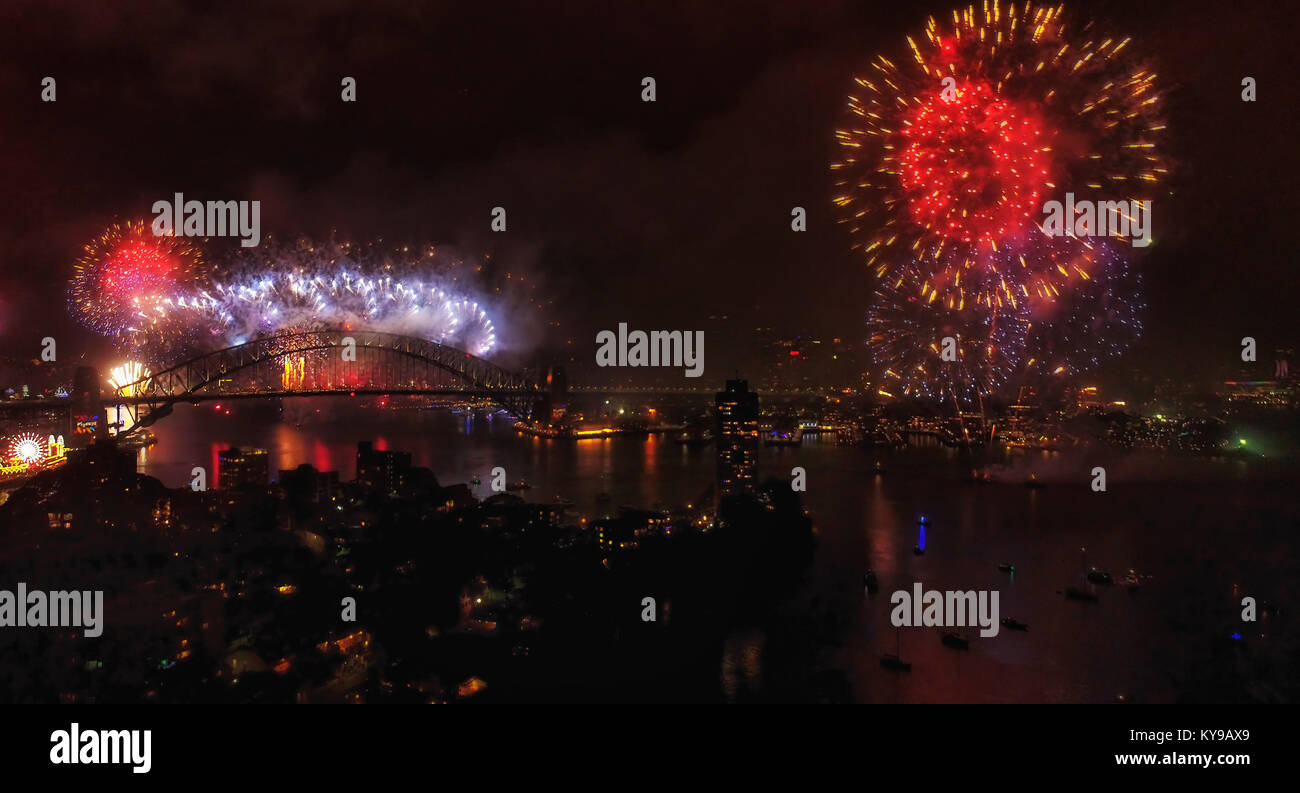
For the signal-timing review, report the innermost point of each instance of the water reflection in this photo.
(1141, 644)
(742, 665)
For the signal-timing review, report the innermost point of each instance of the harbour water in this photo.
(1207, 532)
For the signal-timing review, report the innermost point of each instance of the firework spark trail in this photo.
(944, 177)
(946, 160)
(154, 297)
(907, 325)
(313, 286)
(124, 284)
(129, 379)
(1096, 315)
(1091, 316)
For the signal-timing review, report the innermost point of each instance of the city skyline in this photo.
(845, 353)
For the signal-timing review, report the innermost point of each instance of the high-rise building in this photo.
(305, 484)
(383, 471)
(237, 467)
(736, 437)
(804, 361)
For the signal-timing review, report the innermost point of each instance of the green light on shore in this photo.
(1242, 441)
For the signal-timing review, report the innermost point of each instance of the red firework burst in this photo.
(126, 283)
(949, 152)
(972, 165)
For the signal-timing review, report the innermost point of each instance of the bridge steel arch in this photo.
(398, 365)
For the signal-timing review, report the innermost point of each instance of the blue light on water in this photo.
(921, 544)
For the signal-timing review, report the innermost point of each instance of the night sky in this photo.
(661, 215)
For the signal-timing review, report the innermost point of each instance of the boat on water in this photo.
(1097, 576)
(871, 582)
(1007, 567)
(1135, 580)
(520, 485)
(694, 437)
(561, 501)
(955, 640)
(786, 438)
(1014, 624)
(1032, 482)
(695, 442)
(138, 440)
(892, 661)
(1075, 593)
(895, 660)
(879, 469)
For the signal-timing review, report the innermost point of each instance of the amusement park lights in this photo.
(29, 451)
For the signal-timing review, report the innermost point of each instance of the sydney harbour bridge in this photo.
(333, 362)
(329, 362)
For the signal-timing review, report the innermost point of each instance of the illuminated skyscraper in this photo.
(381, 471)
(237, 467)
(737, 439)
